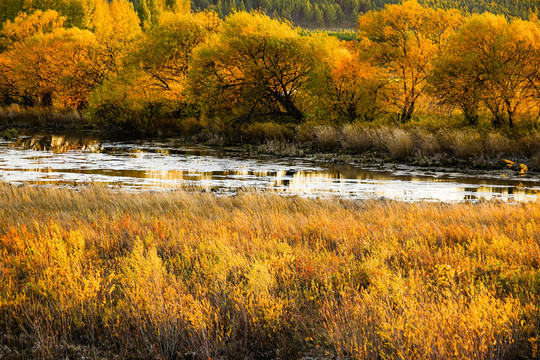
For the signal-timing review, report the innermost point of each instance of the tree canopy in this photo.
(405, 60)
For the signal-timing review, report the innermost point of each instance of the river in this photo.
(74, 160)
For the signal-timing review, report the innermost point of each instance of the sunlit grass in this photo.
(100, 273)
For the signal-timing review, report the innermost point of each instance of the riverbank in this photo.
(453, 147)
(101, 273)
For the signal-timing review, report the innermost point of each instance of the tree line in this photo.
(408, 59)
(307, 13)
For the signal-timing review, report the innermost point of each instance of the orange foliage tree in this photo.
(48, 64)
(348, 86)
(491, 62)
(55, 67)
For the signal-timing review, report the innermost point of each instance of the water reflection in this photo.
(74, 159)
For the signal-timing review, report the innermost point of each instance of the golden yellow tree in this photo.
(348, 86)
(164, 52)
(76, 12)
(256, 67)
(24, 26)
(54, 68)
(405, 39)
(153, 82)
(116, 27)
(493, 63)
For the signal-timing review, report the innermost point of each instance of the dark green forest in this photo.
(307, 13)
(329, 13)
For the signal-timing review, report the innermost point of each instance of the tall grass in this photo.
(410, 142)
(95, 273)
(41, 118)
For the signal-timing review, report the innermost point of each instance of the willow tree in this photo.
(405, 39)
(152, 83)
(12, 35)
(24, 26)
(56, 68)
(256, 67)
(116, 27)
(347, 85)
(162, 56)
(76, 12)
(491, 63)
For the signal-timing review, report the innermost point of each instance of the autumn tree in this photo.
(491, 63)
(455, 82)
(25, 26)
(153, 81)
(116, 27)
(348, 86)
(406, 39)
(75, 11)
(163, 53)
(53, 68)
(13, 35)
(150, 11)
(256, 67)
(9, 93)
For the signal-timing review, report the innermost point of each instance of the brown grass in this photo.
(42, 118)
(356, 138)
(326, 137)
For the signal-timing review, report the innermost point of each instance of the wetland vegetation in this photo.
(96, 273)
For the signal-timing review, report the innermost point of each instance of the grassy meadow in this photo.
(94, 273)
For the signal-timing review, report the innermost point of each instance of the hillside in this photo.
(331, 13)
(308, 13)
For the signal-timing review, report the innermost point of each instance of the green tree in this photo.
(144, 13)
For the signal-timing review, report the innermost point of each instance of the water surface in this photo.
(63, 160)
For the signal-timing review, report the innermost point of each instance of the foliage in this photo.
(405, 40)
(324, 13)
(152, 80)
(54, 69)
(176, 66)
(348, 86)
(76, 12)
(491, 63)
(256, 67)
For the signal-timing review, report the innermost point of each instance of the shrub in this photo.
(497, 145)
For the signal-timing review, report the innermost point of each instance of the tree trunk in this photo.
(290, 108)
(510, 113)
(407, 112)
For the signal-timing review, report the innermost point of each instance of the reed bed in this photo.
(95, 273)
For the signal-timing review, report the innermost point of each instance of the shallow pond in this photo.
(74, 160)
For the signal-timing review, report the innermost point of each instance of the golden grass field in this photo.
(95, 273)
